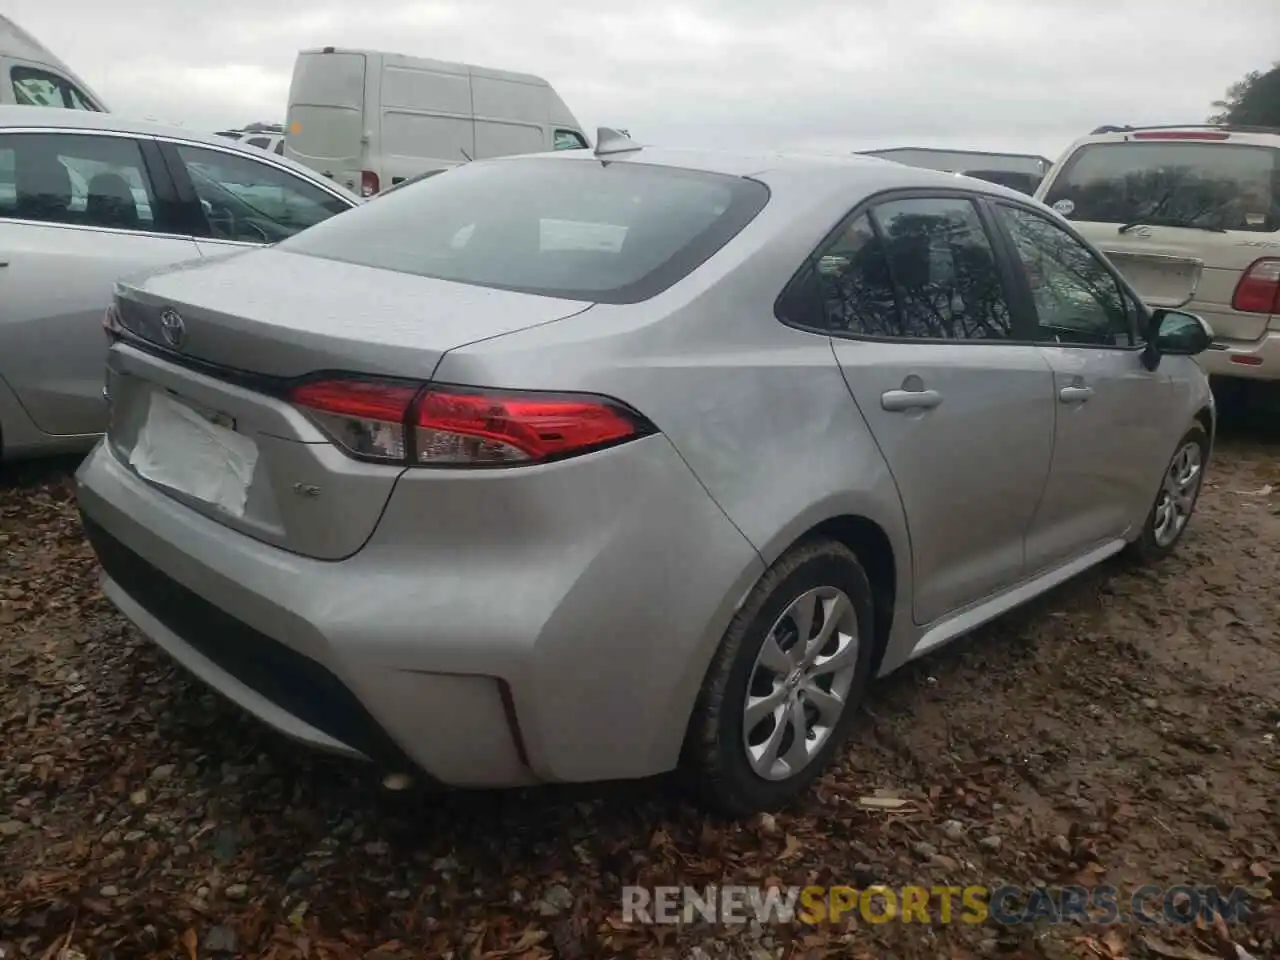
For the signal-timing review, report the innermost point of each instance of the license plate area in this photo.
(1161, 281)
(196, 452)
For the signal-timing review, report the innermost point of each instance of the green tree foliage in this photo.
(1253, 100)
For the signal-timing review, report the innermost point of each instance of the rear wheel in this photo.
(785, 684)
(1176, 499)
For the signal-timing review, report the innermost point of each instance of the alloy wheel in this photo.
(1177, 496)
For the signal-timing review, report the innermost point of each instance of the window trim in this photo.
(67, 81)
(1020, 320)
(190, 200)
(162, 187)
(1137, 335)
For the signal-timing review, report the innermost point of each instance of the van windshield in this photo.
(576, 229)
(1212, 185)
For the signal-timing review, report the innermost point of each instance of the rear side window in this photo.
(38, 88)
(80, 179)
(923, 270)
(1210, 185)
(581, 230)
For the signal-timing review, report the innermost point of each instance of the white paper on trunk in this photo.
(180, 449)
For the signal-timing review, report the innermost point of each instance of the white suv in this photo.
(1190, 215)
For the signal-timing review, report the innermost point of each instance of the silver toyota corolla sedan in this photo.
(86, 198)
(593, 466)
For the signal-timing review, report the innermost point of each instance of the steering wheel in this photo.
(222, 222)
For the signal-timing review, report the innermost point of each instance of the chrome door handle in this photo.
(1075, 394)
(897, 400)
(4, 263)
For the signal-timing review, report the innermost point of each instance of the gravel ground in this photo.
(1122, 730)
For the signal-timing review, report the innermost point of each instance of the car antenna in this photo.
(610, 141)
(465, 154)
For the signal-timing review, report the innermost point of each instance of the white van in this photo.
(371, 120)
(30, 75)
(1190, 214)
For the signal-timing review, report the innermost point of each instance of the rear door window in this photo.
(581, 230)
(1207, 185)
(39, 88)
(81, 179)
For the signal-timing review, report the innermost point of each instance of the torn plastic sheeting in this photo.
(180, 449)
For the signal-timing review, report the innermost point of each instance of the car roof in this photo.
(61, 118)
(1210, 133)
(817, 174)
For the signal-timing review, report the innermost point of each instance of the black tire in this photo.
(715, 765)
(1146, 549)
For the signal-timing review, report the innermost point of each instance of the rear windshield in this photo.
(1219, 186)
(579, 229)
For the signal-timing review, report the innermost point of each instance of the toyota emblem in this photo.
(172, 327)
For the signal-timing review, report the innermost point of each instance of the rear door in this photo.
(79, 211)
(960, 404)
(1112, 436)
(1181, 214)
(325, 128)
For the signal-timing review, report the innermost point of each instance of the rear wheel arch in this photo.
(1205, 417)
(871, 545)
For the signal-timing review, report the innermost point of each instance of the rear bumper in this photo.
(1247, 359)
(482, 662)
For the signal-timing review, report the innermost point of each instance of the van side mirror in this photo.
(1176, 333)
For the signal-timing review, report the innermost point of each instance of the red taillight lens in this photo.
(1182, 135)
(459, 427)
(368, 183)
(398, 422)
(365, 417)
(1259, 289)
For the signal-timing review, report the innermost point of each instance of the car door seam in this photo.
(897, 488)
(1053, 450)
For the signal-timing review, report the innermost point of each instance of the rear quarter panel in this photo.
(759, 411)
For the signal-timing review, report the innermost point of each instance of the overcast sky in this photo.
(1024, 75)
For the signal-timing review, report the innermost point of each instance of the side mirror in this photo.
(1175, 333)
(1180, 334)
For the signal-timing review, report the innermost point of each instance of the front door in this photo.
(1112, 440)
(924, 334)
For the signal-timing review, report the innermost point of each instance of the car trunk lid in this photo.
(203, 412)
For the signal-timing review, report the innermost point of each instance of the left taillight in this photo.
(447, 426)
(366, 418)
